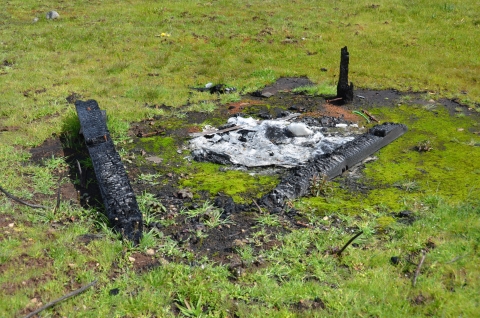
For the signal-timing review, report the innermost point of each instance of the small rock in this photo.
(431, 101)
(11, 225)
(150, 251)
(35, 20)
(208, 85)
(52, 15)
(131, 259)
(267, 94)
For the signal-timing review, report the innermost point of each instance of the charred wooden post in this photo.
(120, 202)
(344, 90)
(297, 182)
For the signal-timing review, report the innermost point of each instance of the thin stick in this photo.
(82, 175)
(153, 133)
(334, 100)
(348, 243)
(259, 209)
(14, 198)
(370, 115)
(417, 272)
(53, 303)
(456, 259)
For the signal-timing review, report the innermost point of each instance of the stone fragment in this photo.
(52, 15)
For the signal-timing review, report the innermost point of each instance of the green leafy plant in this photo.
(267, 219)
(190, 308)
(208, 214)
(150, 207)
(149, 178)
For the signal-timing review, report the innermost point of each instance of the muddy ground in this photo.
(221, 243)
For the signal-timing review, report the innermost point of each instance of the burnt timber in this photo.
(297, 183)
(118, 198)
(344, 90)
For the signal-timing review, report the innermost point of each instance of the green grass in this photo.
(115, 52)
(107, 52)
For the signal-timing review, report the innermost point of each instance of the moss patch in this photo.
(240, 185)
(448, 169)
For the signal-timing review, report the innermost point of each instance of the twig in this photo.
(14, 198)
(82, 175)
(259, 209)
(370, 116)
(348, 243)
(456, 259)
(334, 100)
(53, 303)
(417, 272)
(150, 134)
(361, 114)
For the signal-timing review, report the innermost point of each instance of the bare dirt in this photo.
(221, 243)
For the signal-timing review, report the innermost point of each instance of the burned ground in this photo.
(220, 243)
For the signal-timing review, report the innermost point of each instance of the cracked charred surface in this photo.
(297, 182)
(117, 194)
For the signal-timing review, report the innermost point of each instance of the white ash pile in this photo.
(281, 142)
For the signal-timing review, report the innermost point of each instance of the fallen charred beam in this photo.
(344, 90)
(297, 182)
(117, 194)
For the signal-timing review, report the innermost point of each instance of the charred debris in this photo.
(120, 202)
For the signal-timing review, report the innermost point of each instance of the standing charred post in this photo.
(118, 198)
(344, 90)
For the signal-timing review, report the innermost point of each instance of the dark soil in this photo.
(221, 243)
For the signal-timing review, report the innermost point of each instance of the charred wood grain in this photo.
(344, 89)
(118, 197)
(297, 182)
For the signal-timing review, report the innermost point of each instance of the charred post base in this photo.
(297, 182)
(344, 90)
(117, 193)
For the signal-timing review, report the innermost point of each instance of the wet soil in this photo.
(221, 243)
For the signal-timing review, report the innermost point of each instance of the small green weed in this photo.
(320, 186)
(149, 178)
(208, 214)
(151, 208)
(149, 240)
(190, 308)
(267, 219)
(56, 163)
(407, 185)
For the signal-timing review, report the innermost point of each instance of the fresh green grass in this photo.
(208, 214)
(115, 52)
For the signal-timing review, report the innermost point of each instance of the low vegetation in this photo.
(416, 205)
